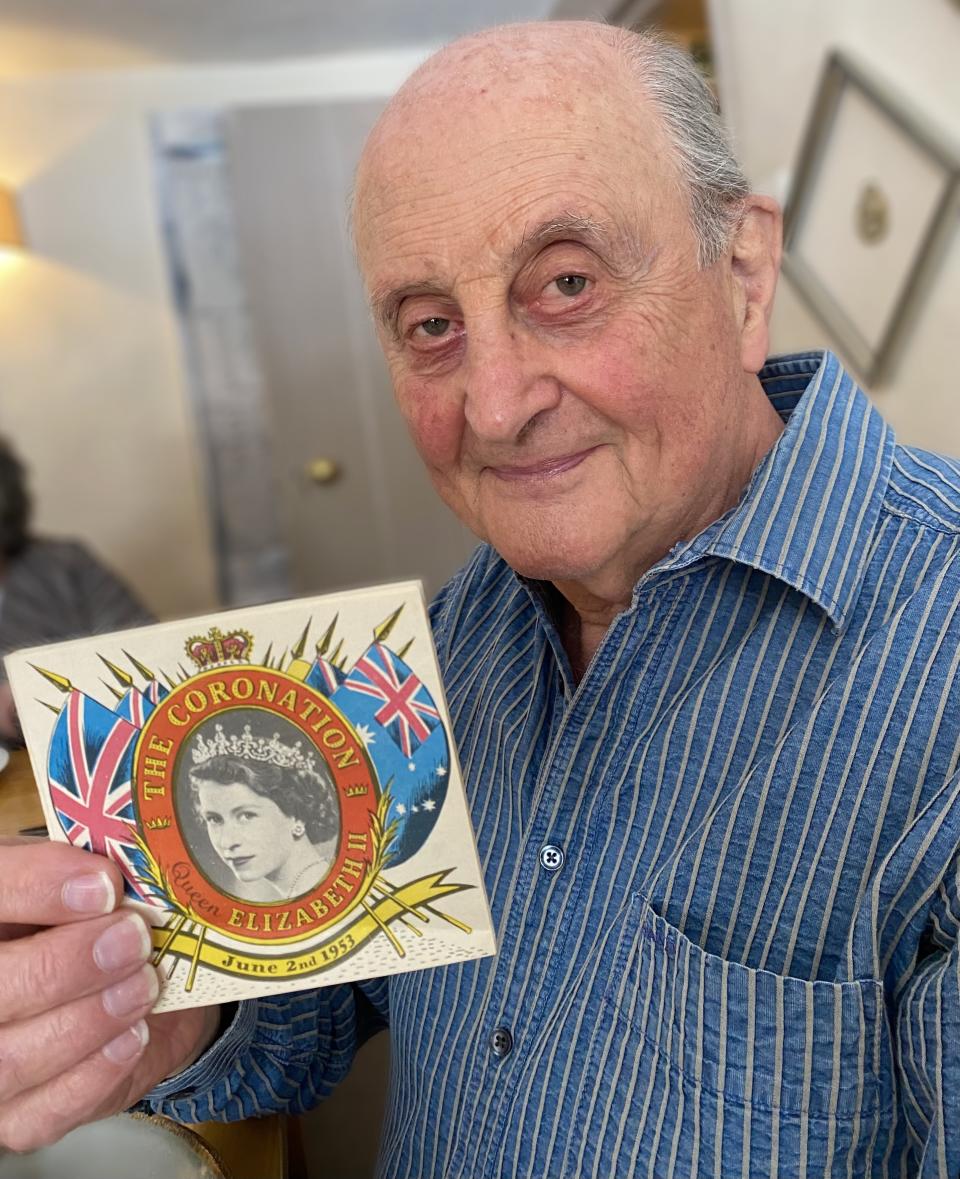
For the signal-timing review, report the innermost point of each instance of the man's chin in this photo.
(549, 564)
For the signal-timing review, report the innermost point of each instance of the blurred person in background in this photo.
(49, 589)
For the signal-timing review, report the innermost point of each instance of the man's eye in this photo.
(435, 326)
(570, 284)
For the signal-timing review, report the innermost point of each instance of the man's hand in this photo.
(76, 988)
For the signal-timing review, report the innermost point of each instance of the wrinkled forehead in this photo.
(467, 168)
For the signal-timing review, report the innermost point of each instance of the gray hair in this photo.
(714, 180)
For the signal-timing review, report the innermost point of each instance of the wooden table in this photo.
(19, 803)
(256, 1149)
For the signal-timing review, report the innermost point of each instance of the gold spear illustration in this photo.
(382, 632)
(141, 668)
(59, 681)
(298, 667)
(124, 678)
(323, 643)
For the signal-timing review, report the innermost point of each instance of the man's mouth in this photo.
(546, 468)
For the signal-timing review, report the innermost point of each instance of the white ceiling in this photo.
(41, 36)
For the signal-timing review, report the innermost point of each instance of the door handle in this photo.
(323, 470)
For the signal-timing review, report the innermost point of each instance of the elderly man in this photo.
(703, 678)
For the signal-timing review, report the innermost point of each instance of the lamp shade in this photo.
(10, 231)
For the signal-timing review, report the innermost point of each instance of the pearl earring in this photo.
(299, 829)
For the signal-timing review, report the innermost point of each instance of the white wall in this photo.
(92, 388)
(770, 53)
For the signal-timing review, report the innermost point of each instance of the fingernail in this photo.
(92, 893)
(129, 1044)
(133, 994)
(126, 943)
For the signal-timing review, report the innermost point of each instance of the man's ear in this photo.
(755, 266)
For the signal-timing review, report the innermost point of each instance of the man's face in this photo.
(568, 374)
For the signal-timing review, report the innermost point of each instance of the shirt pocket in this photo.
(700, 1066)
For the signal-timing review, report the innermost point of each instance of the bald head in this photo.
(553, 69)
(557, 56)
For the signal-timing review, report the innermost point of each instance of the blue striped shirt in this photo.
(747, 961)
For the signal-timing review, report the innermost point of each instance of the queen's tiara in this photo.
(246, 747)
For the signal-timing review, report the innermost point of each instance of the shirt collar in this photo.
(810, 509)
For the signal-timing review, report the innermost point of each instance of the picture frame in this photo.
(874, 195)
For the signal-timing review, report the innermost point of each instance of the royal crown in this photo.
(216, 648)
(246, 747)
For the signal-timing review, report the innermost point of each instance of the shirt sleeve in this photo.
(927, 1035)
(58, 590)
(107, 602)
(278, 1055)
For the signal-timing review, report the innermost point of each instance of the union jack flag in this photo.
(89, 767)
(136, 706)
(154, 692)
(407, 710)
(324, 676)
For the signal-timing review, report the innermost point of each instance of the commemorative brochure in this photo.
(278, 786)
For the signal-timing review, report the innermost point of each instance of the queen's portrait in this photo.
(269, 810)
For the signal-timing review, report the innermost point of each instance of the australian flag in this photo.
(89, 769)
(399, 723)
(401, 704)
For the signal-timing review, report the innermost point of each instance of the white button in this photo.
(551, 857)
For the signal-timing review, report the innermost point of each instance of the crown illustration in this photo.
(216, 647)
(249, 748)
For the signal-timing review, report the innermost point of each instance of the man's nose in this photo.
(507, 383)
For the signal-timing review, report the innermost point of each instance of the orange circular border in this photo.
(156, 769)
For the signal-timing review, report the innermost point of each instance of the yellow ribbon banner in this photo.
(374, 919)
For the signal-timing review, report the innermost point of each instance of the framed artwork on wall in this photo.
(875, 192)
